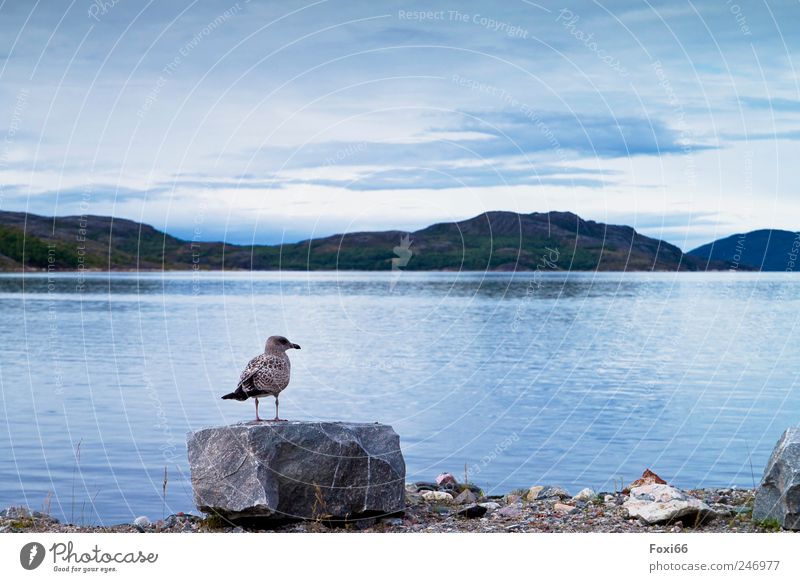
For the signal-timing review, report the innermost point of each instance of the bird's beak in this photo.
(295, 346)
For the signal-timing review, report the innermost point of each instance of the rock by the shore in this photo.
(437, 497)
(563, 508)
(466, 497)
(310, 470)
(658, 503)
(586, 494)
(544, 492)
(778, 496)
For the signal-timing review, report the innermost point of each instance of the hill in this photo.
(764, 250)
(499, 240)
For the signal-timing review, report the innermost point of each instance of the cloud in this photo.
(771, 104)
(791, 135)
(580, 133)
(449, 176)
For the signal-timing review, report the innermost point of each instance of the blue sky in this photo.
(269, 121)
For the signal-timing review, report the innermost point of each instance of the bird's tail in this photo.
(239, 394)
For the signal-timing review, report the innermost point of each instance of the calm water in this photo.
(570, 379)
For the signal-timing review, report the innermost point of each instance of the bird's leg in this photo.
(276, 409)
(257, 418)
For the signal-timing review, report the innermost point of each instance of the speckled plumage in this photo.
(267, 374)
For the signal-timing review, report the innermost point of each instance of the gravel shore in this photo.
(429, 511)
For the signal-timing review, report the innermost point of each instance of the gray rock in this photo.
(585, 495)
(297, 469)
(564, 509)
(509, 512)
(538, 492)
(475, 489)
(414, 499)
(659, 503)
(392, 521)
(466, 497)
(553, 492)
(778, 496)
(141, 521)
(490, 506)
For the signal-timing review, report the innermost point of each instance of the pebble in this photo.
(533, 493)
(465, 498)
(437, 497)
(586, 494)
(553, 492)
(609, 500)
(490, 506)
(564, 509)
(509, 512)
(392, 521)
(141, 522)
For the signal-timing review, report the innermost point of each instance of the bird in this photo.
(266, 375)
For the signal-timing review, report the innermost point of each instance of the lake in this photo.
(574, 379)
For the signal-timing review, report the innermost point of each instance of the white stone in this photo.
(437, 497)
(657, 503)
(490, 506)
(585, 495)
(141, 521)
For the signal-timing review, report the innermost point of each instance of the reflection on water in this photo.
(572, 379)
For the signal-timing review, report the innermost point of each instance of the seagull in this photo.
(266, 375)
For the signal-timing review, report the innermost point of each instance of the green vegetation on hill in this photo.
(36, 253)
(491, 241)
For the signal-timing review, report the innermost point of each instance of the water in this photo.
(571, 379)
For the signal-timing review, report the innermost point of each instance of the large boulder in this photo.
(778, 496)
(659, 503)
(309, 470)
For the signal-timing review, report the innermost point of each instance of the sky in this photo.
(263, 122)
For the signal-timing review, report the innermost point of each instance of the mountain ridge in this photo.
(494, 240)
(765, 249)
